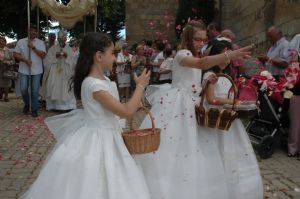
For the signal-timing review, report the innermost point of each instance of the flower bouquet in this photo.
(280, 88)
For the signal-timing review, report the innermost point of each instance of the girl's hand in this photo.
(262, 58)
(237, 102)
(242, 53)
(143, 79)
(213, 78)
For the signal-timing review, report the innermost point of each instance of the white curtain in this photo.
(67, 15)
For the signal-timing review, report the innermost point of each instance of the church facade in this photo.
(145, 19)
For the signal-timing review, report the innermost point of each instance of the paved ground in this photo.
(25, 143)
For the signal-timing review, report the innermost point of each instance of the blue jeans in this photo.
(35, 87)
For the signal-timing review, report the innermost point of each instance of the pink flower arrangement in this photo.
(280, 88)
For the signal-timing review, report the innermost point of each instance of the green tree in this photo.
(194, 9)
(111, 19)
(13, 18)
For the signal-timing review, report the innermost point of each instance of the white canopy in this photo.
(67, 15)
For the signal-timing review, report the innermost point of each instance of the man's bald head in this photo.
(274, 34)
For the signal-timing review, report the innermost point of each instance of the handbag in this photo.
(9, 74)
(8, 70)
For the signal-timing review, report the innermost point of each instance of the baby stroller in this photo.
(270, 125)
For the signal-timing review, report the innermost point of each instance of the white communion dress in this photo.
(90, 160)
(194, 162)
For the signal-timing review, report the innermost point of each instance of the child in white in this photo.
(240, 165)
(165, 70)
(188, 163)
(90, 160)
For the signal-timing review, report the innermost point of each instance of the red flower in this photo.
(277, 96)
(259, 77)
(257, 62)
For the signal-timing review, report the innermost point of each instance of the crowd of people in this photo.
(90, 159)
(43, 67)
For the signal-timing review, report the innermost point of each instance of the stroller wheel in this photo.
(266, 147)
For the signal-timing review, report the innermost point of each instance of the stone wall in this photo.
(249, 19)
(140, 13)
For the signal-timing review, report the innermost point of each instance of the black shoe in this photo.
(34, 114)
(25, 109)
(66, 111)
(290, 155)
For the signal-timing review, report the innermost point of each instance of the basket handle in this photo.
(148, 113)
(205, 87)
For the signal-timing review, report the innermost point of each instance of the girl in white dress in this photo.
(240, 164)
(90, 160)
(188, 163)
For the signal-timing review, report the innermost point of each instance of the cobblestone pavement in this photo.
(26, 141)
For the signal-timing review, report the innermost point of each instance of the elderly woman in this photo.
(6, 60)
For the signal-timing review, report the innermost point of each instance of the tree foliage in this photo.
(194, 9)
(111, 19)
(13, 18)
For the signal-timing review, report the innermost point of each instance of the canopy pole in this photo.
(96, 17)
(84, 25)
(29, 50)
(38, 18)
(48, 26)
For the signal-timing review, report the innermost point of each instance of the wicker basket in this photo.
(139, 141)
(213, 117)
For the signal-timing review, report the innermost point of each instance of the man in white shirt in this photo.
(213, 32)
(276, 60)
(30, 68)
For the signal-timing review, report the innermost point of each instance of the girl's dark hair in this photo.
(90, 44)
(217, 47)
(160, 45)
(188, 34)
(148, 42)
(167, 52)
(3, 38)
